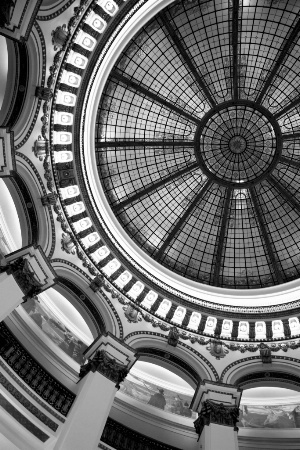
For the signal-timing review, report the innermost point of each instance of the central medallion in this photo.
(238, 143)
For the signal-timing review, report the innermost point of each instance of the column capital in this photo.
(216, 403)
(217, 392)
(218, 413)
(109, 356)
(31, 270)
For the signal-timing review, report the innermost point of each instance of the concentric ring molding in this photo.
(176, 285)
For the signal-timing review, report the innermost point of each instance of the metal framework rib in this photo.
(152, 187)
(280, 60)
(178, 224)
(102, 144)
(186, 58)
(265, 236)
(221, 237)
(292, 105)
(235, 43)
(284, 193)
(290, 136)
(143, 90)
(290, 162)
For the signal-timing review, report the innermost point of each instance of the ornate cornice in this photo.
(218, 413)
(105, 365)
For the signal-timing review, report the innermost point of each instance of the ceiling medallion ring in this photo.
(238, 143)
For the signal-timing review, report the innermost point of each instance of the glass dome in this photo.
(197, 141)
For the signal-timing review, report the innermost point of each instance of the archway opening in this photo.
(10, 226)
(61, 322)
(152, 384)
(270, 407)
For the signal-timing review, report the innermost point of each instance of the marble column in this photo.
(23, 275)
(218, 408)
(109, 361)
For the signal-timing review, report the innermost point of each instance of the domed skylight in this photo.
(197, 141)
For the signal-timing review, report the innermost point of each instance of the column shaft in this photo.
(88, 415)
(10, 295)
(217, 437)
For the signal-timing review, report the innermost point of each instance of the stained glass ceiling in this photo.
(198, 141)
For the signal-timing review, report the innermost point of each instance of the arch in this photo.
(94, 306)
(153, 341)
(11, 80)
(250, 372)
(19, 198)
(32, 183)
(170, 362)
(82, 304)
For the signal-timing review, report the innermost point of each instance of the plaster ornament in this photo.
(43, 93)
(123, 279)
(265, 353)
(67, 244)
(149, 299)
(260, 330)
(136, 290)
(40, 148)
(103, 252)
(173, 337)
(164, 308)
(194, 321)
(294, 326)
(217, 349)
(111, 8)
(243, 332)
(49, 199)
(277, 328)
(179, 315)
(111, 267)
(59, 37)
(132, 314)
(227, 328)
(98, 24)
(210, 325)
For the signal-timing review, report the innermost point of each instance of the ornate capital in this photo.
(24, 276)
(105, 365)
(214, 412)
